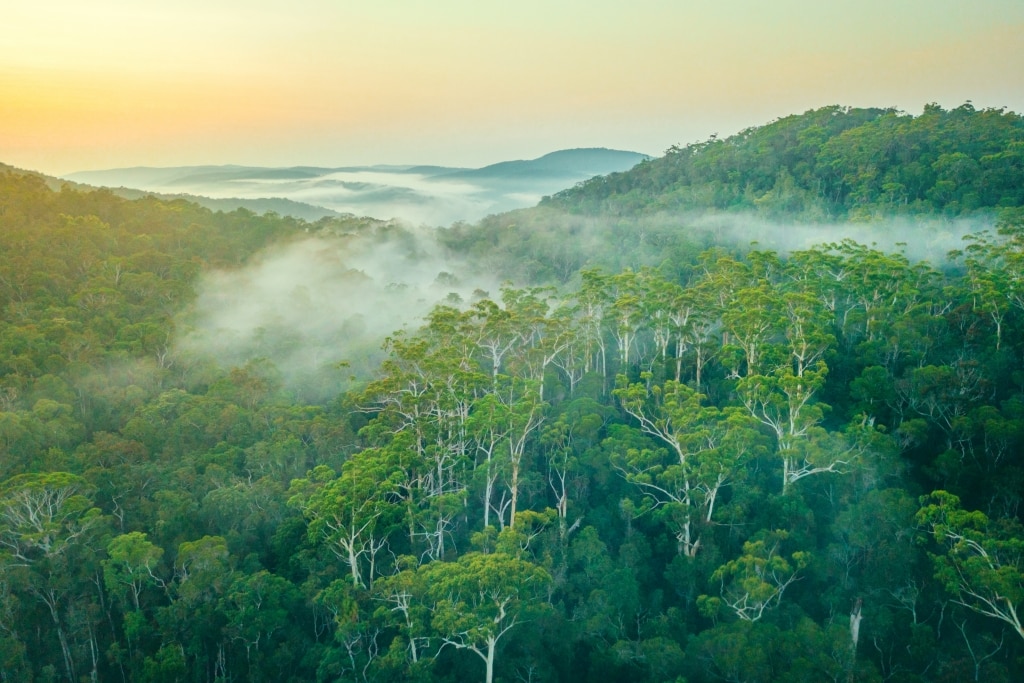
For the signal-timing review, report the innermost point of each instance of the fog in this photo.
(320, 308)
(919, 239)
(414, 198)
(418, 195)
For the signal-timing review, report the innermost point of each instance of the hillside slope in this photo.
(828, 163)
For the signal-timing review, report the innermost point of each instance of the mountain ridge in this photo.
(425, 194)
(562, 161)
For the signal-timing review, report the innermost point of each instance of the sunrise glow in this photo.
(117, 83)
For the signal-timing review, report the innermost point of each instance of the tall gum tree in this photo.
(46, 521)
(983, 559)
(708, 448)
(479, 599)
(754, 582)
(352, 513)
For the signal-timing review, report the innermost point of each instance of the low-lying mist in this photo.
(319, 308)
(919, 239)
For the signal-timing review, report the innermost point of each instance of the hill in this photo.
(278, 205)
(433, 195)
(829, 163)
(568, 163)
(688, 472)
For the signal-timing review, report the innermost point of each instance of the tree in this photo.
(356, 633)
(752, 317)
(708, 450)
(352, 513)
(479, 599)
(131, 565)
(256, 607)
(203, 572)
(983, 562)
(782, 402)
(46, 523)
(756, 580)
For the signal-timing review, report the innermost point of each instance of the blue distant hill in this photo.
(437, 195)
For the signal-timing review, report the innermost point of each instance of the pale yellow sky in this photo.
(108, 83)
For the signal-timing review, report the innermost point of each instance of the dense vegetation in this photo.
(740, 466)
(829, 163)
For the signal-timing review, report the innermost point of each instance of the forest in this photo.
(651, 455)
(831, 162)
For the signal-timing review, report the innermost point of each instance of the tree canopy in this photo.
(640, 460)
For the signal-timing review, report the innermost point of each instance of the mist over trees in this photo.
(602, 440)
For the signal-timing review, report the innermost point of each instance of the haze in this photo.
(116, 83)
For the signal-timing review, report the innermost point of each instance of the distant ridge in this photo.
(426, 194)
(588, 161)
(278, 205)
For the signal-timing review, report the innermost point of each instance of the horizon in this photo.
(349, 166)
(114, 84)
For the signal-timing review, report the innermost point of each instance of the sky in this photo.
(115, 83)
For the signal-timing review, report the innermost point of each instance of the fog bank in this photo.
(332, 298)
(320, 308)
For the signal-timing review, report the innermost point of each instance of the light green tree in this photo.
(353, 513)
(131, 566)
(754, 582)
(480, 598)
(983, 562)
(707, 450)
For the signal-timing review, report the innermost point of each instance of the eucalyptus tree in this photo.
(131, 566)
(401, 602)
(479, 599)
(489, 427)
(695, 313)
(822, 271)
(422, 405)
(782, 402)
(542, 335)
(807, 328)
(352, 513)
(981, 560)
(593, 301)
(627, 294)
(256, 609)
(708, 448)
(880, 287)
(574, 349)
(48, 527)
(752, 319)
(563, 440)
(501, 425)
(754, 582)
(203, 571)
(132, 569)
(659, 299)
(495, 334)
(994, 264)
(522, 414)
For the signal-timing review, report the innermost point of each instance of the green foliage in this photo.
(574, 483)
(984, 561)
(827, 163)
(751, 583)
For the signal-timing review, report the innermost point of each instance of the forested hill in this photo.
(763, 466)
(829, 163)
